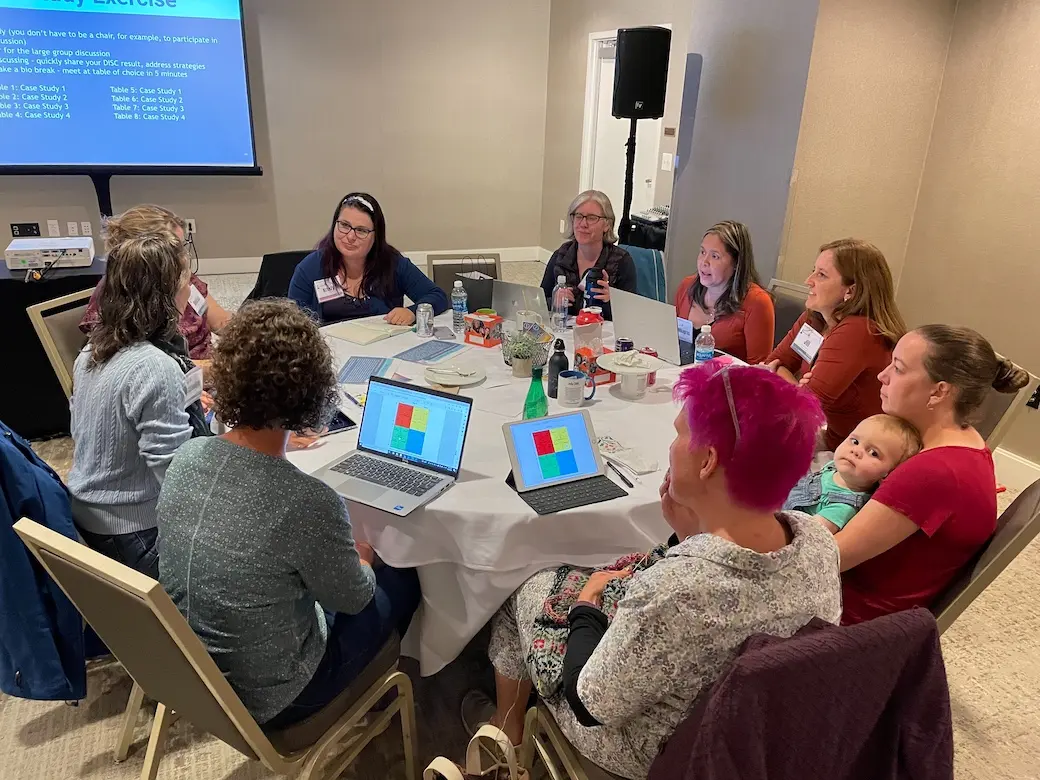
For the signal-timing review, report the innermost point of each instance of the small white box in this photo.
(26, 253)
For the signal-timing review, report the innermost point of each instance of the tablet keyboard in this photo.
(387, 474)
(556, 498)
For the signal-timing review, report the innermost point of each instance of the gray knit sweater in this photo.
(248, 547)
(128, 418)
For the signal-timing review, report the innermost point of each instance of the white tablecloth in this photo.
(476, 543)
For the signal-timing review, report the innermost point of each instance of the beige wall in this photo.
(571, 24)
(874, 81)
(437, 108)
(973, 257)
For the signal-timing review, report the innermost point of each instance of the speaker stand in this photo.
(630, 172)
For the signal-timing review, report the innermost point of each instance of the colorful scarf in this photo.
(551, 627)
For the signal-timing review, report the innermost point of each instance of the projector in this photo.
(25, 253)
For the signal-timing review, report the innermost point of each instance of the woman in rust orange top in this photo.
(726, 294)
(845, 338)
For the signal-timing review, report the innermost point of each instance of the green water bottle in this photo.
(536, 404)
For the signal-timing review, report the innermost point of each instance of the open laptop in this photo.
(654, 324)
(409, 449)
(508, 298)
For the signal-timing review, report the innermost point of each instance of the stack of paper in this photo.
(366, 331)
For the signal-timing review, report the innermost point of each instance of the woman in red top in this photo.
(725, 293)
(934, 512)
(845, 338)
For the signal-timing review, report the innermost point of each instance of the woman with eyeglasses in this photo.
(355, 273)
(591, 243)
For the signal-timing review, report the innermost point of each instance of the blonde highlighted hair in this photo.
(862, 264)
(143, 220)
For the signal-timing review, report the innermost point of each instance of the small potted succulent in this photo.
(519, 350)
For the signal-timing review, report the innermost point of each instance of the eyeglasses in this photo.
(588, 219)
(345, 229)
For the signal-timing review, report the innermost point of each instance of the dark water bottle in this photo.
(557, 363)
(592, 277)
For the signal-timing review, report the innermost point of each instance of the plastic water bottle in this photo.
(536, 404)
(704, 346)
(459, 307)
(560, 307)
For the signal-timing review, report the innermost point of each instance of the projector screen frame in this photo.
(97, 173)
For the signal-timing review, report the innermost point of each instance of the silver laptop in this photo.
(650, 323)
(409, 449)
(508, 298)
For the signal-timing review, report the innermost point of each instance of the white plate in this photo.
(439, 377)
(608, 362)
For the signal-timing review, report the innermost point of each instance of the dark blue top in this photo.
(41, 633)
(408, 280)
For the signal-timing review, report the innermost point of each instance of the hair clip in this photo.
(732, 403)
(358, 199)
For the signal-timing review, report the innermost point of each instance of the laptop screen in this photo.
(418, 426)
(554, 449)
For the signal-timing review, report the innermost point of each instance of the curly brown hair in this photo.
(138, 300)
(273, 369)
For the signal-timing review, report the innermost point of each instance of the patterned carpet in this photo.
(992, 657)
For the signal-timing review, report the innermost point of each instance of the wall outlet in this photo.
(73, 228)
(86, 229)
(192, 230)
(563, 227)
(25, 229)
(666, 162)
(52, 228)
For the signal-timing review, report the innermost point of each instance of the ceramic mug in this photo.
(633, 386)
(571, 388)
(523, 316)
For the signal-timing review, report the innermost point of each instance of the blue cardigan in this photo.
(408, 280)
(41, 632)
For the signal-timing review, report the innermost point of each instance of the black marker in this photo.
(617, 471)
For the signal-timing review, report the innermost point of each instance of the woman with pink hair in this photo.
(619, 654)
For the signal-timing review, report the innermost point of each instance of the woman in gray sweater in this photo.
(258, 556)
(620, 654)
(133, 401)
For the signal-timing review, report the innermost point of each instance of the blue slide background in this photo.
(215, 129)
(527, 457)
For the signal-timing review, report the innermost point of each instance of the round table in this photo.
(479, 541)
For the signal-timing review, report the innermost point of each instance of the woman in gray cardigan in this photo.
(620, 655)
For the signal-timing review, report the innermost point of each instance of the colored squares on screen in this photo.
(410, 429)
(555, 455)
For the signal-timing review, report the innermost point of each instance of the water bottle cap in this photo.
(559, 346)
(458, 283)
(561, 279)
(705, 328)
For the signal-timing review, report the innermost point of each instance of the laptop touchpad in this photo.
(361, 491)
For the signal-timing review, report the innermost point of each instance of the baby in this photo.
(835, 494)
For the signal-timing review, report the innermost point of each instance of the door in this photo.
(604, 149)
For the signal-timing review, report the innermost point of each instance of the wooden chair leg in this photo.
(526, 756)
(126, 733)
(408, 728)
(156, 743)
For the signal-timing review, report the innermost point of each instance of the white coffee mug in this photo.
(633, 386)
(571, 389)
(524, 316)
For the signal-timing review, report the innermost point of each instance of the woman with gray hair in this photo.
(591, 244)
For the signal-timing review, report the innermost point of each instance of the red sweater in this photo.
(845, 373)
(950, 493)
(746, 333)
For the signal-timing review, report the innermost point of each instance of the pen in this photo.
(617, 471)
(351, 398)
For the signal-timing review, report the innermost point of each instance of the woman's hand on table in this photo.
(593, 590)
(301, 441)
(400, 316)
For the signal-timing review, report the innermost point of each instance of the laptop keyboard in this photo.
(387, 474)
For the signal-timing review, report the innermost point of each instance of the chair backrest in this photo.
(57, 325)
(788, 305)
(135, 617)
(650, 281)
(999, 410)
(1016, 528)
(276, 271)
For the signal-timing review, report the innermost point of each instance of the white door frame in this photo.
(589, 127)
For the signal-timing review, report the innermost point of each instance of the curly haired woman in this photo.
(286, 602)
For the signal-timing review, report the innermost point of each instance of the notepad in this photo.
(366, 331)
(430, 352)
(358, 370)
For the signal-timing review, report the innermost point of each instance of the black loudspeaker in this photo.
(641, 72)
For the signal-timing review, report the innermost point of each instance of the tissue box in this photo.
(483, 330)
(585, 361)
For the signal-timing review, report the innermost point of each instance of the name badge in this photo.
(327, 290)
(192, 386)
(197, 301)
(685, 329)
(807, 343)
